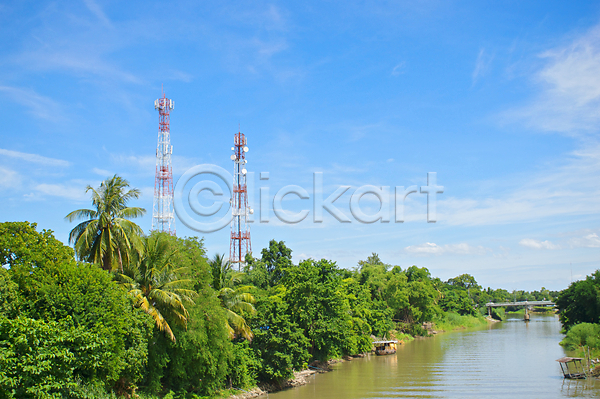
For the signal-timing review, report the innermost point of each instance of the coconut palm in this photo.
(220, 268)
(107, 236)
(152, 279)
(234, 299)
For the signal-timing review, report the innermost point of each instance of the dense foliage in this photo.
(173, 321)
(580, 303)
(579, 307)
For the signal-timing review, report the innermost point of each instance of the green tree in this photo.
(52, 286)
(414, 273)
(107, 236)
(580, 303)
(397, 295)
(457, 301)
(11, 302)
(465, 281)
(199, 361)
(277, 259)
(278, 342)
(237, 301)
(153, 281)
(318, 305)
(220, 268)
(201, 358)
(21, 245)
(40, 359)
(359, 301)
(256, 273)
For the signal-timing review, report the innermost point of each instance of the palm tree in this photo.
(153, 281)
(220, 268)
(233, 299)
(107, 237)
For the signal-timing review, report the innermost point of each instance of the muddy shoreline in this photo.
(300, 378)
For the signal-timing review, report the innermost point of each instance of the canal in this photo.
(509, 359)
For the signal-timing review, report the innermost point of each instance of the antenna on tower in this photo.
(163, 217)
(240, 230)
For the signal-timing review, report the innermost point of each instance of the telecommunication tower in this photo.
(240, 230)
(163, 218)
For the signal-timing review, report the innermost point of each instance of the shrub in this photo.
(40, 359)
(583, 334)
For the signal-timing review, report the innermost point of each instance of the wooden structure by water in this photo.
(385, 347)
(572, 367)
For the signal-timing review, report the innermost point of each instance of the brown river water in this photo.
(512, 359)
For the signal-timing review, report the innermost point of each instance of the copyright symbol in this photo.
(191, 199)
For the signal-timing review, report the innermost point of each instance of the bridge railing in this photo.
(520, 303)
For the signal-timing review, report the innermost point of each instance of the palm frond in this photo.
(82, 214)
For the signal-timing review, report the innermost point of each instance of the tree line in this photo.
(123, 313)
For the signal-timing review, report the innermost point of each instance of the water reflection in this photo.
(579, 389)
(509, 359)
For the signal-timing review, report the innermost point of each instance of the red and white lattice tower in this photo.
(163, 218)
(240, 230)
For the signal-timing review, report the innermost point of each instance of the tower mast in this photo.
(163, 218)
(240, 230)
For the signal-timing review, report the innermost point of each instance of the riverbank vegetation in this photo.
(579, 307)
(152, 315)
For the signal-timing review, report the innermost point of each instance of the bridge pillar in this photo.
(526, 317)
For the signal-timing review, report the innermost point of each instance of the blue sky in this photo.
(500, 99)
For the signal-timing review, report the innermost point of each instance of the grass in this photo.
(454, 321)
(400, 336)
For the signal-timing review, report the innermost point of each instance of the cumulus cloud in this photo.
(588, 241)
(537, 244)
(430, 248)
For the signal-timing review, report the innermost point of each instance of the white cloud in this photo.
(142, 161)
(147, 163)
(482, 65)
(569, 97)
(34, 158)
(569, 189)
(147, 192)
(9, 178)
(537, 244)
(39, 106)
(76, 193)
(76, 60)
(430, 248)
(399, 69)
(102, 172)
(589, 241)
(97, 11)
(181, 76)
(65, 41)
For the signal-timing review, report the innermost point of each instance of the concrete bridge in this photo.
(521, 303)
(527, 305)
